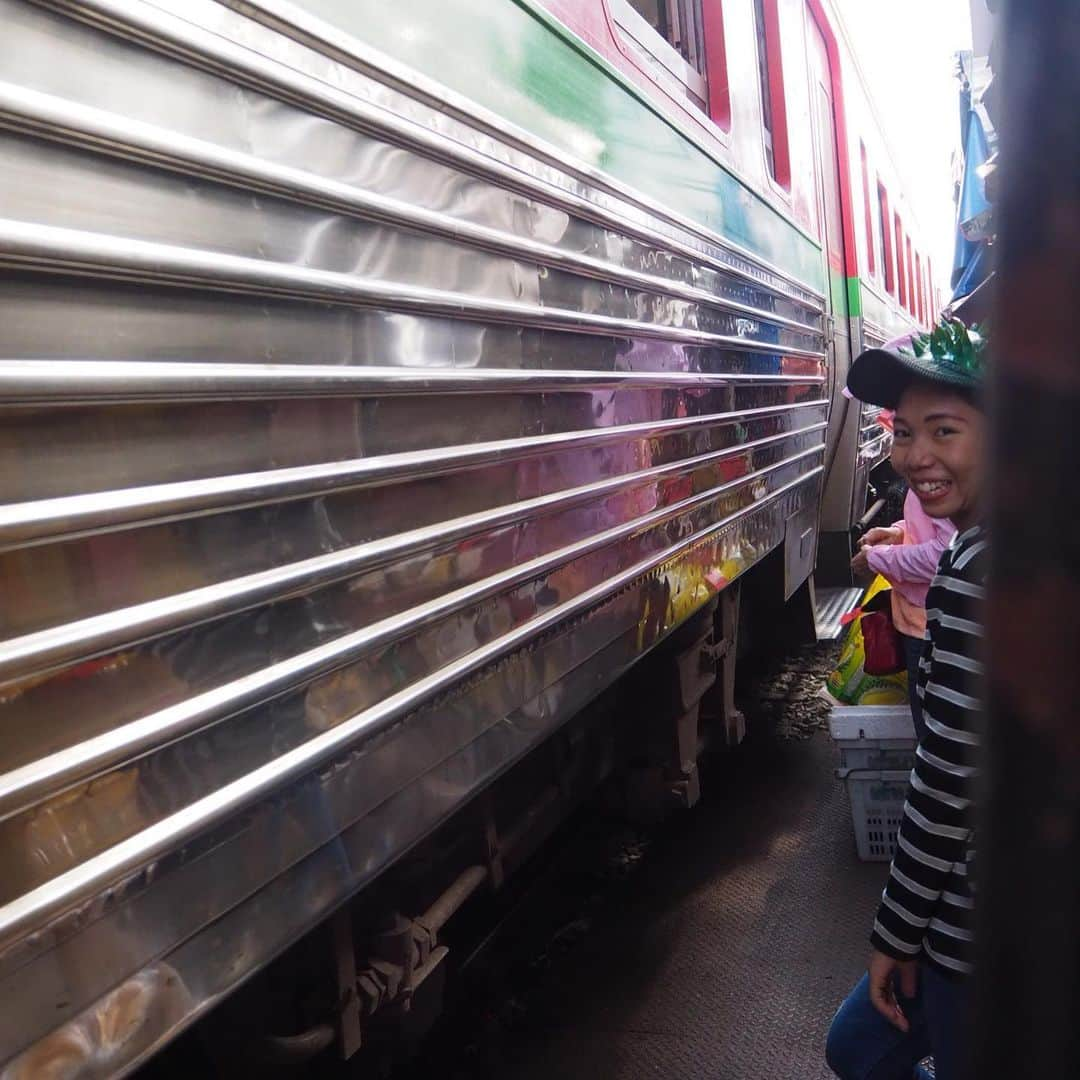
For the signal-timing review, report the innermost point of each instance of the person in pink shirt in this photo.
(906, 555)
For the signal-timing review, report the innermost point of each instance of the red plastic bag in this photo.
(884, 654)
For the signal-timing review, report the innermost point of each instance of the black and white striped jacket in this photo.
(926, 909)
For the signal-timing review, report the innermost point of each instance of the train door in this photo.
(836, 512)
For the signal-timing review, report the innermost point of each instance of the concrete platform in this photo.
(727, 956)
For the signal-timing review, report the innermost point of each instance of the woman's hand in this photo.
(884, 971)
(890, 535)
(860, 565)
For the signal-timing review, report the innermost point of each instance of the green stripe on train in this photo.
(523, 65)
(880, 315)
(854, 298)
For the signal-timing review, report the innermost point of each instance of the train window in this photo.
(665, 39)
(910, 276)
(771, 81)
(871, 260)
(901, 281)
(763, 78)
(921, 290)
(679, 23)
(716, 71)
(885, 242)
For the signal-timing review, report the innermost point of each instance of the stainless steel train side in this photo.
(350, 449)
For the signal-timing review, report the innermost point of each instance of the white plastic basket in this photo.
(873, 736)
(877, 808)
(877, 752)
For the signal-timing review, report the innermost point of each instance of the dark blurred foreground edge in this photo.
(1028, 878)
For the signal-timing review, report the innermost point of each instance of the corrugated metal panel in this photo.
(349, 458)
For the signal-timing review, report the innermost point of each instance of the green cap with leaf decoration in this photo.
(951, 354)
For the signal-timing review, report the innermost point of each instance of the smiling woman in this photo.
(938, 448)
(915, 998)
(933, 382)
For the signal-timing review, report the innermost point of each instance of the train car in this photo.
(772, 91)
(380, 383)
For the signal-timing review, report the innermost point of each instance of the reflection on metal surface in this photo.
(831, 604)
(58, 382)
(354, 449)
(323, 85)
(113, 1034)
(46, 246)
(324, 705)
(38, 906)
(216, 874)
(574, 142)
(21, 786)
(22, 523)
(875, 445)
(97, 130)
(100, 634)
(875, 441)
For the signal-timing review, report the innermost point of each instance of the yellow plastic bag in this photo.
(849, 683)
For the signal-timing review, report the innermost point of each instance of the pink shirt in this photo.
(910, 567)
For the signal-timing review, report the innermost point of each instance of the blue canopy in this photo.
(974, 274)
(974, 217)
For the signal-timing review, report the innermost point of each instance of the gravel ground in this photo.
(782, 696)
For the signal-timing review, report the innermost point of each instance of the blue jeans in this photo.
(863, 1045)
(913, 647)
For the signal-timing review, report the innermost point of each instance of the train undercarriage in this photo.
(363, 990)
